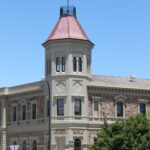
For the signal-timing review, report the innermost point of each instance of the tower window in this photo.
(119, 109)
(60, 107)
(33, 111)
(63, 64)
(74, 64)
(142, 108)
(57, 64)
(77, 107)
(14, 113)
(24, 112)
(80, 64)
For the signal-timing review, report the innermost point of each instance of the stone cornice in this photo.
(116, 90)
(23, 89)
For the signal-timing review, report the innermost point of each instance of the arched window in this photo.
(57, 64)
(77, 144)
(74, 64)
(80, 64)
(63, 62)
(24, 145)
(34, 145)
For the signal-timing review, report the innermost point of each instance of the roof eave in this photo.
(48, 42)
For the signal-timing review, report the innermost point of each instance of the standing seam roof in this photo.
(68, 27)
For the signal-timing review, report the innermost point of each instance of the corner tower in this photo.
(67, 69)
(68, 49)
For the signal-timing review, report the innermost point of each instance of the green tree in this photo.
(130, 134)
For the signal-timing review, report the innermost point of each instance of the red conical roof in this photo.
(68, 27)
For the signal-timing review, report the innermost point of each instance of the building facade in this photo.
(80, 101)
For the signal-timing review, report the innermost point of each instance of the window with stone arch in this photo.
(63, 64)
(74, 64)
(80, 64)
(77, 144)
(24, 145)
(34, 145)
(58, 64)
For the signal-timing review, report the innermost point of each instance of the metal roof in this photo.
(120, 82)
(68, 27)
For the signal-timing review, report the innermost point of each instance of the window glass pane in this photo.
(143, 108)
(63, 64)
(77, 144)
(60, 107)
(80, 64)
(14, 113)
(33, 111)
(24, 112)
(74, 64)
(57, 64)
(119, 109)
(77, 107)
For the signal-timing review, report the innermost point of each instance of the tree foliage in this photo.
(130, 134)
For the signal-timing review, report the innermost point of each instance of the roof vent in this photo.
(132, 78)
(67, 11)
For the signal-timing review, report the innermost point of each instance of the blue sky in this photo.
(120, 30)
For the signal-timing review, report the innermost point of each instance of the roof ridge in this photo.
(118, 77)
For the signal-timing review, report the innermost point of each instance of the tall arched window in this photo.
(24, 145)
(34, 145)
(80, 64)
(77, 144)
(74, 64)
(63, 62)
(58, 64)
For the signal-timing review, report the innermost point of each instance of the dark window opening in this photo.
(77, 144)
(24, 112)
(60, 107)
(142, 108)
(34, 145)
(24, 145)
(57, 64)
(63, 64)
(14, 113)
(119, 109)
(77, 107)
(33, 111)
(80, 64)
(74, 64)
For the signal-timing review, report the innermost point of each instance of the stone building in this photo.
(80, 101)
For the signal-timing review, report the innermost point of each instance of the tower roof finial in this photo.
(68, 6)
(68, 11)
